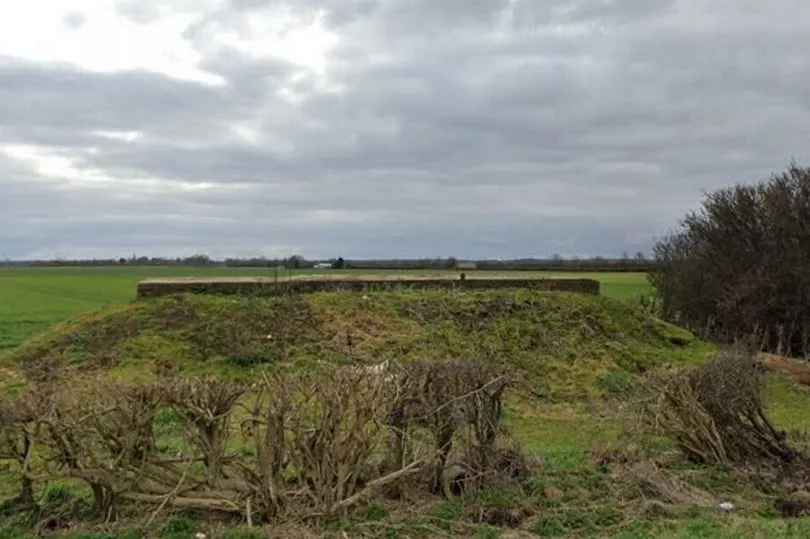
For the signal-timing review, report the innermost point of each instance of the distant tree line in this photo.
(639, 263)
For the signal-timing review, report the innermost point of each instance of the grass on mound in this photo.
(34, 298)
(567, 347)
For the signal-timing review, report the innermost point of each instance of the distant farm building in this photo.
(323, 265)
(466, 265)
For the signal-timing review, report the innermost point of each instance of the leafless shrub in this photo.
(18, 416)
(207, 405)
(125, 425)
(653, 483)
(326, 426)
(715, 411)
(266, 426)
(443, 397)
(324, 441)
(72, 442)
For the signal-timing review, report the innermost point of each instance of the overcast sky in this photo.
(381, 128)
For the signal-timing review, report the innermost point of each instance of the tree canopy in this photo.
(739, 267)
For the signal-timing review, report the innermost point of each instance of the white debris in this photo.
(365, 297)
(269, 337)
(383, 369)
(725, 507)
(380, 367)
(199, 535)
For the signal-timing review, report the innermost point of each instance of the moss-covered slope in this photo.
(562, 342)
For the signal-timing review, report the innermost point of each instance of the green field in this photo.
(32, 299)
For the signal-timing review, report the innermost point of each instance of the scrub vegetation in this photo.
(396, 414)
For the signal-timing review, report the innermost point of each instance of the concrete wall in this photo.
(258, 286)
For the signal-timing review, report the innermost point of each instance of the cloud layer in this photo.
(377, 128)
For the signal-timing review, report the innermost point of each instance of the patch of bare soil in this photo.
(793, 369)
(9, 375)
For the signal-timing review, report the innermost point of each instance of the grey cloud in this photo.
(447, 16)
(475, 128)
(74, 19)
(159, 228)
(61, 98)
(616, 10)
(138, 11)
(149, 11)
(61, 106)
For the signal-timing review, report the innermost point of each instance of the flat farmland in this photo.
(31, 299)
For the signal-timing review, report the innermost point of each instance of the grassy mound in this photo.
(568, 346)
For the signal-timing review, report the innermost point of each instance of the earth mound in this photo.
(562, 344)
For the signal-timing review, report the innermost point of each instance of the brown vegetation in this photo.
(309, 444)
(715, 412)
(796, 370)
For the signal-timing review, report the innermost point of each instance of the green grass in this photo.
(32, 299)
